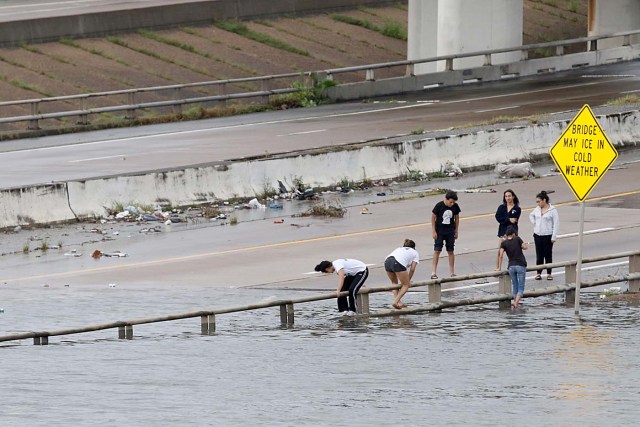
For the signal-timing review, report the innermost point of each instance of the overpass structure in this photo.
(448, 27)
(436, 27)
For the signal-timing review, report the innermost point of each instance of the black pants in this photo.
(544, 251)
(353, 285)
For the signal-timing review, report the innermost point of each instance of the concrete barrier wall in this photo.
(195, 12)
(405, 84)
(319, 168)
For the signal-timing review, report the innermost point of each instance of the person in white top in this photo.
(546, 223)
(351, 276)
(396, 265)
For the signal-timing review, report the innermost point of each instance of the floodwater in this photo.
(480, 366)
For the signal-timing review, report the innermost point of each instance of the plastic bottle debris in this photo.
(112, 285)
(278, 221)
(255, 204)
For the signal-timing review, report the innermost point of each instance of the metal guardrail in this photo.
(267, 82)
(503, 297)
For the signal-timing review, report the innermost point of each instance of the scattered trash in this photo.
(17, 229)
(116, 233)
(382, 193)
(278, 221)
(476, 190)
(299, 225)
(155, 229)
(73, 253)
(308, 194)
(45, 286)
(275, 206)
(365, 211)
(607, 292)
(117, 254)
(1, 310)
(451, 169)
(515, 170)
(112, 285)
(149, 217)
(282, 187)
(255, 204)
(66, 285)
(167, 222)
(123, 214)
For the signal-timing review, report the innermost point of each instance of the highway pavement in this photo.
(175, 145)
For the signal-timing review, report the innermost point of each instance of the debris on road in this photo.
(515, 170)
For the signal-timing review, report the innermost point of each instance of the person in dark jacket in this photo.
(508, 214)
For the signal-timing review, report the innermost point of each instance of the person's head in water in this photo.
(511, 231)
(325, 267)
(408, 243)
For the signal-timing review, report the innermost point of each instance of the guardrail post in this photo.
(448, 64)
(121, 332)
(634, 267)
(129, 332)
(435, 292)
(35, 110)
(626, 40)
(84, 118)
(570, 275)
(177, 108)
(208, 324)
(362, 303)
(41, 340)
(131, 100)
(559, 50)
(224, 91)
(266, 86)
(410, 71)
(593, 45)
(487, 59)
(524, 55)
(370, 75)
(286, 314)
(504, 287)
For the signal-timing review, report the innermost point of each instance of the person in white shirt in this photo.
(546, 223)
(396, 265)
(351, 276)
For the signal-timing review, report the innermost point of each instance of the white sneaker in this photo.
(351, 313)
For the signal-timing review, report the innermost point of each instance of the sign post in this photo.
(583, 154)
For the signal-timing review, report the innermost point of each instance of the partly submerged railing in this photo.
(287, 313)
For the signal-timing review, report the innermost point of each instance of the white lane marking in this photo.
(309, 118)
(52, 3)
(96, 158)
(497, 109)
(631, 91)
(303, 133)
(599, 230)
(594, 76)
(558, 273)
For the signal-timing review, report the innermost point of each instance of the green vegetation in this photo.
(390, 29)
(242, 30)
(629, 99)
(171, 42)
(26, 248)
(44, 246)
(573, 6)
(304, 97)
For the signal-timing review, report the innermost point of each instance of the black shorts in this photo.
(448, 236)
(392, 265)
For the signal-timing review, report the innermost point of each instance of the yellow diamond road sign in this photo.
(583, 153)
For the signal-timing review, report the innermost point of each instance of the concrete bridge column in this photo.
(447, 27)
(613, 16)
